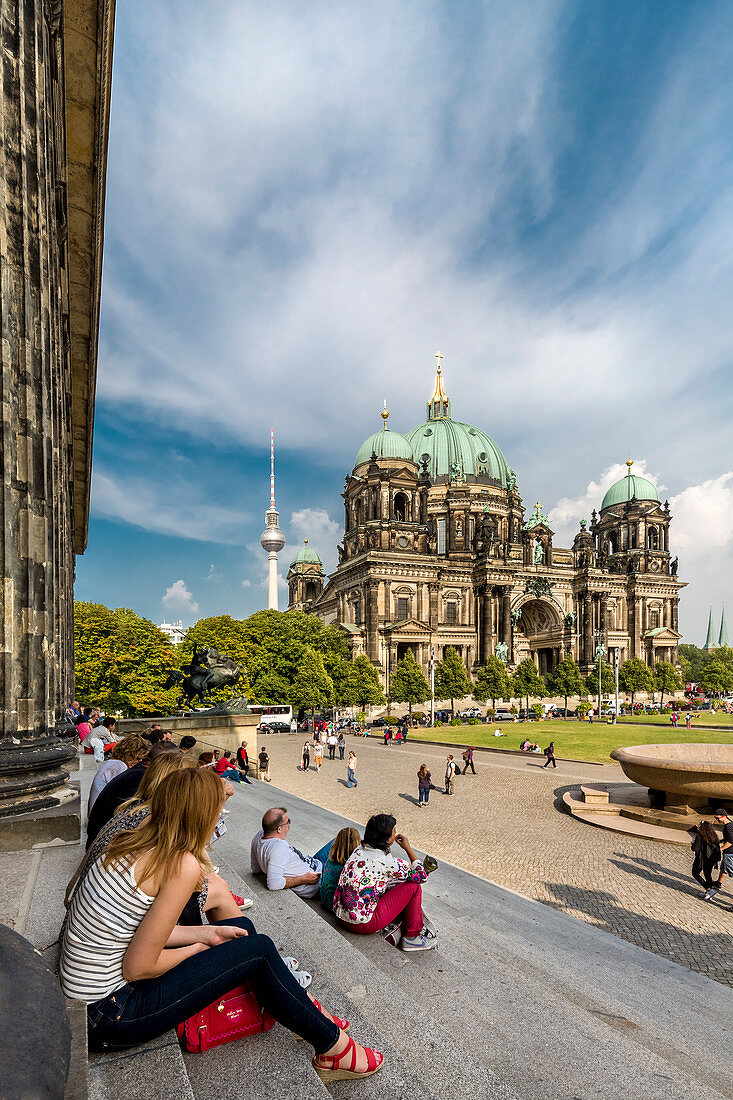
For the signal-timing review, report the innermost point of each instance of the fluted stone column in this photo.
(487, 622)
(36, 535)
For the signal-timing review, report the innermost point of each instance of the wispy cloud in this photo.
(178, 600)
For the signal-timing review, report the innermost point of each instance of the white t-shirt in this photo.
(277, 859)
(106, 771)
(318, 749)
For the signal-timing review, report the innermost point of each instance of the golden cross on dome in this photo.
(439, 356)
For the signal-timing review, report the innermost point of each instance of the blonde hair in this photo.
(346, 842)
(184, 810)
(130, 749)
(155, 773)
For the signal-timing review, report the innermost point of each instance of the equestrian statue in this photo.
(208, 670)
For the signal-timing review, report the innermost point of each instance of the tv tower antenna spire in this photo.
(272, 539)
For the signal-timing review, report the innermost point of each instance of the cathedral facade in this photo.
(439, 551)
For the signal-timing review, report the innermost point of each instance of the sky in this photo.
(306, 202)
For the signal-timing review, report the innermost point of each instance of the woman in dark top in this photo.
(706, 847)
(550, 754)
(423, 785)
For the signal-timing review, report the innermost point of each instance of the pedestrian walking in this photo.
(341, 745)
(723, 819)
(351, 769)
(688, 721)
(450, 771)
(318, 755)
(550, 754)
(305, 756)
(404, 733)
(706, 846)
(332, 745)
(243, 763)
(423, 785)
(468, 760)
(264, 760)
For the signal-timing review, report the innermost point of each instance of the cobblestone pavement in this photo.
(503, 824)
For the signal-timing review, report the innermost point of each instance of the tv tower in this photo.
(272, 539)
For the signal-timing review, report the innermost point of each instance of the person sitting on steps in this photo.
(286, 868)
(377, 889)
(141, 974)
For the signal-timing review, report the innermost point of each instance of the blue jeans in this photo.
(423, 795)
(351, 777)
(231, 773)
(141, 1011)
(342, 750)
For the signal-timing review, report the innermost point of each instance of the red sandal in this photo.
(343, 1024)
(334, 1072)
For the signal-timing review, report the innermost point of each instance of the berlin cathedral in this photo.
(438, 551)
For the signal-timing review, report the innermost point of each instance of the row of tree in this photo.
(123, 659)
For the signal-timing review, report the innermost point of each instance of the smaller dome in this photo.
(304, 556)
(633, 486)
(385, 444)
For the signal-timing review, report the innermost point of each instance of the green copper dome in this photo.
(629, 487)
(458, 451)
(305, 556)
(385, 444)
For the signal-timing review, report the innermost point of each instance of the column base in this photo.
(32, 773)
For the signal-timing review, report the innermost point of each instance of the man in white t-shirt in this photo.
(285, 867)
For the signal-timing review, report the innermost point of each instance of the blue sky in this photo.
(305, 202)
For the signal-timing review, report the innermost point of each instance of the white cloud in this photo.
(246, 583)
(172, 510)
(212, 574)
(178, 599)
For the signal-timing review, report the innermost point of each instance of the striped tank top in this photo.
(103, 917)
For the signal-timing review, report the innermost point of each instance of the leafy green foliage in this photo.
(565, 680)
(312, 686)
(608, 680)
(666, 678)
(716, 676)
(408, 684)
(635, 675)
(694, 659)
(492, 681)
(527, 682)
(583, 708)
(121, 661)
(538, 709)
(362, 687)
(451, 679)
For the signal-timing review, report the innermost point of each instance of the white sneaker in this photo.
(418, 943)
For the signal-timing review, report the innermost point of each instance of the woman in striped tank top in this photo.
(141, 973)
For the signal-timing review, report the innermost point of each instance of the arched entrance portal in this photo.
(538, 634)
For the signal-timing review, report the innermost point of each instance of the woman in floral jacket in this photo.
(377, 889)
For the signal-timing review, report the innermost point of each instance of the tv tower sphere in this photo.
(272, 539)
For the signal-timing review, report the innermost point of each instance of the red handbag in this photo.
(236, 1014)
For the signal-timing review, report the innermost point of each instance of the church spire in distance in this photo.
(710, 637)
(723, 635)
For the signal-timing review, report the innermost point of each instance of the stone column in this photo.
(603, 616)
(372, 620)
(587, 629)
(36, 533)
(434, 589)
(675, 613)
(506, 618)
(487, 622)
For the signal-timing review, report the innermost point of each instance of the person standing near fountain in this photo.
(723, 819)
(706, 847)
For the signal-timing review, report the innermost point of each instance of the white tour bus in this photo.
(270, 714)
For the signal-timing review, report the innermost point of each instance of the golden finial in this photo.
(385, 414)
(629, 462)
(305, 542)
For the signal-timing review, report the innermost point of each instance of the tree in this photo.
(408, 684)
(312, 686)
(364, 685)
(608, 681)
(527, 682)
(666, 678)
(635, 675)
(696, 658)
(275, 644)
(451, 679)
(121, 661)
(492, 681)
(716, 677)
(566, 680)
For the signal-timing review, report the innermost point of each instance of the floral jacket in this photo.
(367, 875)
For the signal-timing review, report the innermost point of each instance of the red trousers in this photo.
(405, 901)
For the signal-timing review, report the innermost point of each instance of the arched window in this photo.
(652, 539)
(401, 508)
(311, 592)
(359, 511)
(613, 542)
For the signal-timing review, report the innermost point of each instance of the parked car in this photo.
(378, 722)
(527, 716)
(471, 712)
(561, 712)
(501, 716)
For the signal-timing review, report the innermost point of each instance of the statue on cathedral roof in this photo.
(537, 517)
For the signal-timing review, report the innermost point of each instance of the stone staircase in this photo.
(518, 1001)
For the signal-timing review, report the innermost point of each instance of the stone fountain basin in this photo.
(705, 771)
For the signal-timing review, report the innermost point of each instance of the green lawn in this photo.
(704, 717)
(575, 740)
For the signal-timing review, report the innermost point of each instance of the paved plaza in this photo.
(503, 825)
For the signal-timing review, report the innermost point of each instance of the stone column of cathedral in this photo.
(487, 622)
(434, 588)
(36, 619)
(506, 618)
(587, 629)
(603, 617)
(373, 621)
(675, 613)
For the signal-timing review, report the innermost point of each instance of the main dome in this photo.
(455, 449)
(633, 486)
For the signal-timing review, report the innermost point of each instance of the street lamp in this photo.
(432, 686)
(600, 654)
